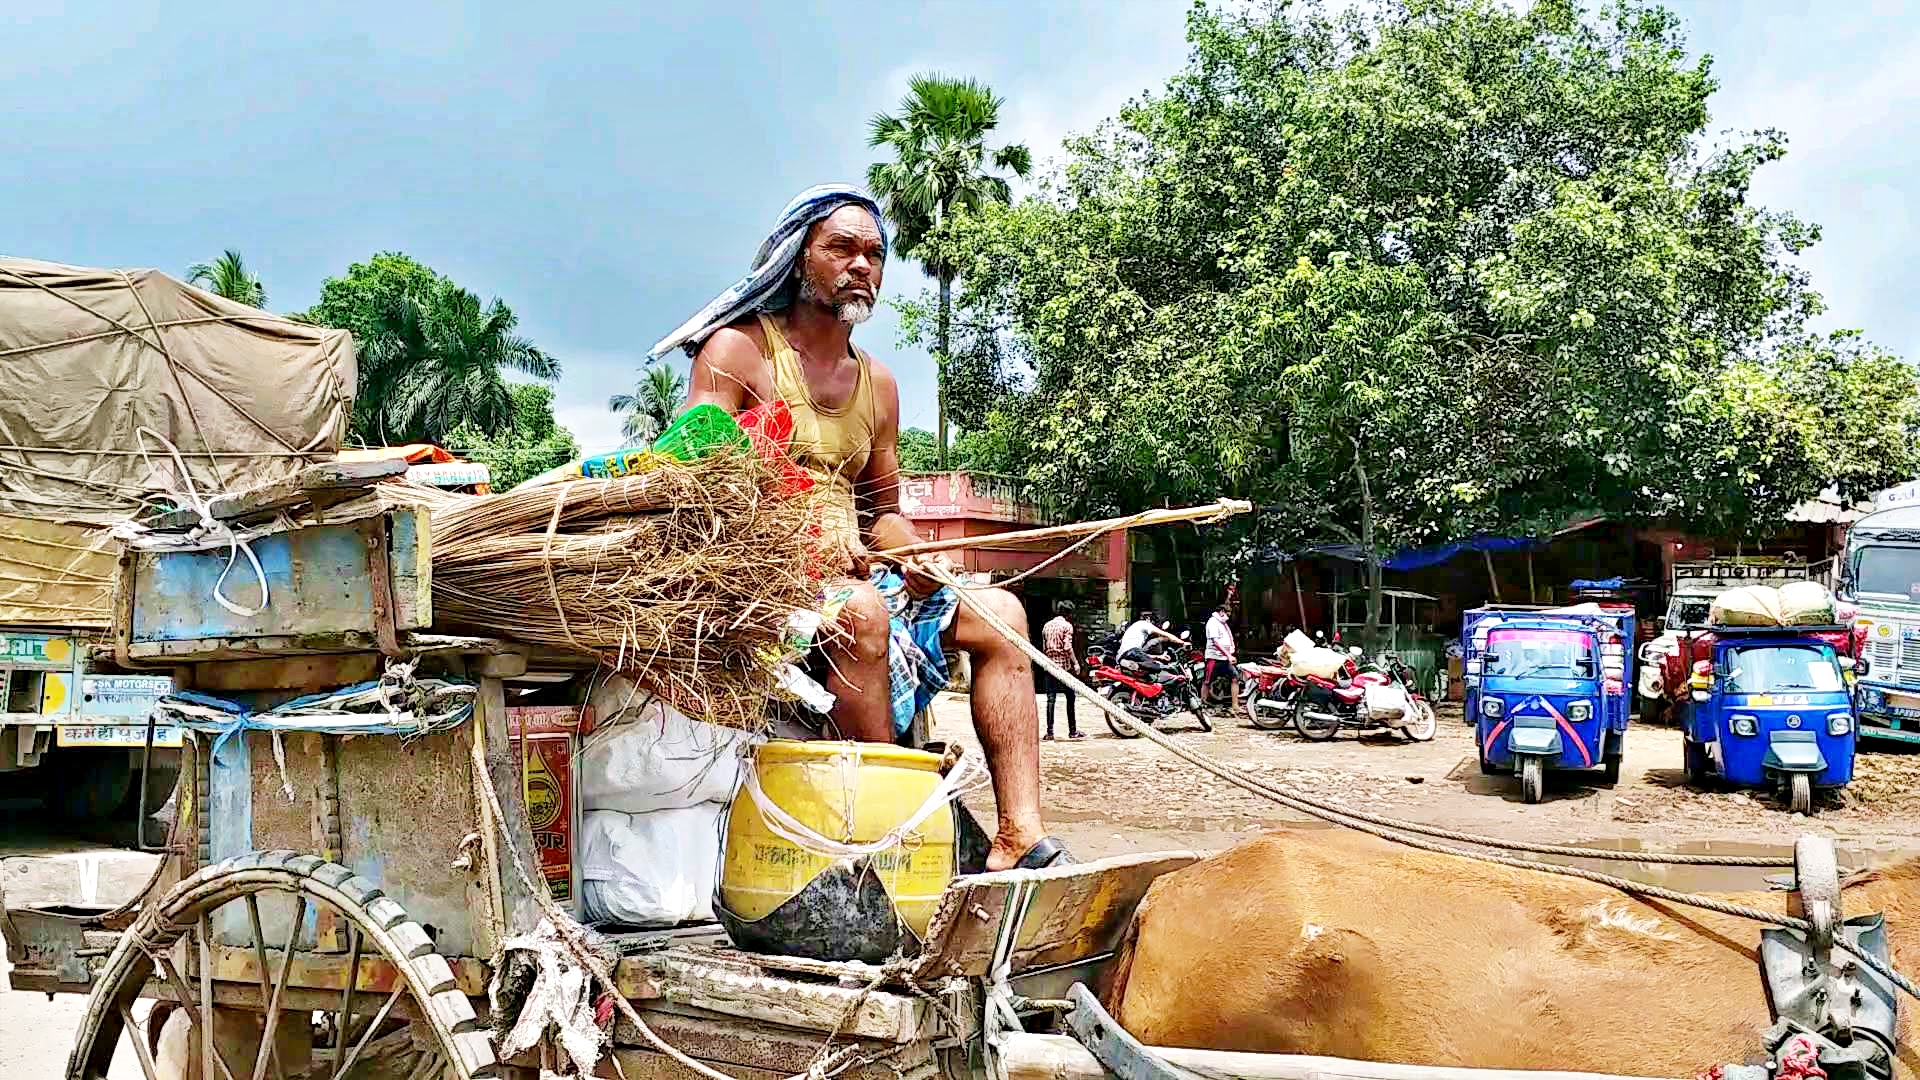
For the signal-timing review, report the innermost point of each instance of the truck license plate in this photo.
(134, 735)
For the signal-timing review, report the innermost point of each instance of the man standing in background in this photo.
(1221, 654)
(1057, 641)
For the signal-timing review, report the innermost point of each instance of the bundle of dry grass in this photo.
(682, 576)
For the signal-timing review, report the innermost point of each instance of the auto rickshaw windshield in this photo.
(1540, 654)
(1765, 669)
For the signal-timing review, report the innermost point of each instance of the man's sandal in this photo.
(1048, 852)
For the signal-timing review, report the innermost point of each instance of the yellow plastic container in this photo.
(773, 889)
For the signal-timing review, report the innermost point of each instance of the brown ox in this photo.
(1338, 944)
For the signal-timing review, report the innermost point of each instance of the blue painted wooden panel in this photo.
(317, 583)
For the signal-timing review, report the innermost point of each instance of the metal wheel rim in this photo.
(1265, 720)
(376, 927)
(1111, 693)
(1318, 731)
(1800, 794)
(1425, 725)
(1533, 779)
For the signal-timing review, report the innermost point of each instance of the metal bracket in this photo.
(1118, 1052)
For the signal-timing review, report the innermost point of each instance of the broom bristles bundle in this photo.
(682, 576)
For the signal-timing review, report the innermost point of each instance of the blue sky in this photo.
(607, 168)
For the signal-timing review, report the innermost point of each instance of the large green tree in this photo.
(228, 276)
(941, 166)
(533, 443)
(1416, 272)
(433, 356)
(655, 400)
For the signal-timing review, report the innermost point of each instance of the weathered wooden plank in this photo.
(319, 485)
(405, 814)
(314, 971)
(410, 551)
(1077, 912)
(522, 910)
(292, 673)
(1058, 1057)
(703, 981)
(744, 1048)
(317, 583)
(146, 655)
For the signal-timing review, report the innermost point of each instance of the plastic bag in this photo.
(655, 758)
(1318, 661)
(1747, 605)
(1387, 703)
(1806, 603)
(654, 869)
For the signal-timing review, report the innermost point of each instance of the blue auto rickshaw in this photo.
(1547, 689)
(1771, 708)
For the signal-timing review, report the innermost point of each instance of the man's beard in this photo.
(851, 312)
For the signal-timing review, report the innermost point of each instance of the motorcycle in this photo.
(1266, 694)
(1152, 696)
(1378, 698)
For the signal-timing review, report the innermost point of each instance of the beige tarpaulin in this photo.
(53, 574)
(89, 357)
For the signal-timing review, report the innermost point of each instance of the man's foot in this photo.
(1076, 736)
(1048, 737)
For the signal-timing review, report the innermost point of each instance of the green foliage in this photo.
(941, 168)
(1478, 264)
(655, 400)
(432, 355)
(228, 276)
(533, 443)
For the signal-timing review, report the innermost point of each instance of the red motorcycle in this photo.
(1267, 691)
(1150, 695)
(1369, 700)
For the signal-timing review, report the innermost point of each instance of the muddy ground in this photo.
(1107, 796)
(1104, 795)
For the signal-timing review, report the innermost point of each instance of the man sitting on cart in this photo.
(784, 332)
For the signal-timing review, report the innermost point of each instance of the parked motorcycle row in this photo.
(1342, 692)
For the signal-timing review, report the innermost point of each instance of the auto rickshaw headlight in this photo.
(1492, 707)
(1744, 725)
(1579, 711)
(1839, 723)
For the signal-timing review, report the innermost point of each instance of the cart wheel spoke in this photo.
(424, 1019)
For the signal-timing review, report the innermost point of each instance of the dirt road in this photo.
(1106, 796)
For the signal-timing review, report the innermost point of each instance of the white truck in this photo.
(1690, 592)
(1880, 576)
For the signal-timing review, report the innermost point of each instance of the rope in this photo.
(1397, 832)
(210, 525)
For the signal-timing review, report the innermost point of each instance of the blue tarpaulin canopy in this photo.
(1423, 557)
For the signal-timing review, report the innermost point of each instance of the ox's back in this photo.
(1336, 943)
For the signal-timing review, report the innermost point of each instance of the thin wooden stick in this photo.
(260, 957)
(261, 1055)
(185, 994)
(1210, 512)
(342, 1028)
(139, 1041)
(378, 1019)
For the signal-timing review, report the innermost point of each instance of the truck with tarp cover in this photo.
(131, 396)
(1880, 577)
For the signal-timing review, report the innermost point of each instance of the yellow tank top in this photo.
(833, 445)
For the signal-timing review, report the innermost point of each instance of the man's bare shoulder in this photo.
(734, 355)
(886, 389)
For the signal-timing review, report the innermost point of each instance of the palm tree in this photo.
(646, 412)
(447, 356)
(940, 165)
(228, 276)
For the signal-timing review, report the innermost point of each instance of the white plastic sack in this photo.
(1748, 605)
(655, 869)
(1806, 603)
(654, 758)
(1317, 661)
(1298, 641)
(1387, 702)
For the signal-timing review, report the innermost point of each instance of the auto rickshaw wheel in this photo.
(1610, 763)
(423, 1016)
(1800, 793)
(1533, 778)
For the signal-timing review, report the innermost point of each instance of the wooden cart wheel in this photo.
(443, 1036)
